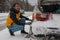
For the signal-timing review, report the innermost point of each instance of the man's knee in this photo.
(16, 27)
(22, 20)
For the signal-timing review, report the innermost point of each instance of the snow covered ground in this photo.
(4, 34)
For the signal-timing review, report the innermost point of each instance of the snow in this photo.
(3, 17)
(4, 34)
(27, 14)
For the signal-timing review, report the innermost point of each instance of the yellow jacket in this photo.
(9, 21)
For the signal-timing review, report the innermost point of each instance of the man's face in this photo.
(17, 7)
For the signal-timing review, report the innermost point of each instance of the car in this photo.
(50, 6)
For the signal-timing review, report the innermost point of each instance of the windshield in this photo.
(50, 6)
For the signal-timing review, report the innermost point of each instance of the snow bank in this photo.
(3, 17)
(27, 14)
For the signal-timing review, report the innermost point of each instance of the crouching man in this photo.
(15, 21)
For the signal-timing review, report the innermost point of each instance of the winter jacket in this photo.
(13, 18)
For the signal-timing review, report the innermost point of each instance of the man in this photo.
(13, 19)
